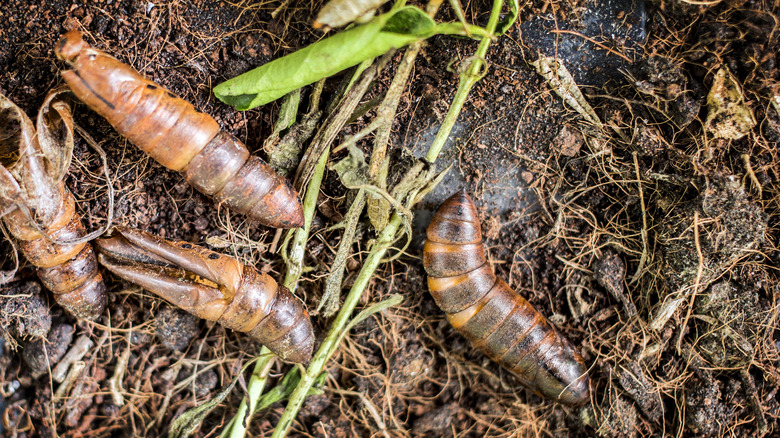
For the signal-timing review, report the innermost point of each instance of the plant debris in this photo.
(43, 354)
(728, 116)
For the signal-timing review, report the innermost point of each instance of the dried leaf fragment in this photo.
(562, 82)
(728, 117)
(188, 422)
(337, 13)
(378, 209)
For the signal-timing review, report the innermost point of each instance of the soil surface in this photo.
(650, 241)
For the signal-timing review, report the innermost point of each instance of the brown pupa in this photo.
(491, 315)
(40, 212)
(178, 136)
(214, 287)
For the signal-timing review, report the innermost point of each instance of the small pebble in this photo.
(176, 328)
(205, 383)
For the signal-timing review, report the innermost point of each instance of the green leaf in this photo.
(507, 22)
(326, 57)
(188, 422)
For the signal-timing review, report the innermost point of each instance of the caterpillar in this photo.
(214, 287)
(178, 136)
(337, 13)
(491, 315)
(39, 210)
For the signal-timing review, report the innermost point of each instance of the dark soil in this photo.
(651, 244)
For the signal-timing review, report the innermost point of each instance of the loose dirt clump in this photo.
(23, 312)
(437, 421)
(621, 420)
(205, 383)
(731, 321)
(707, 413)
(175, 328)
(610, 272)
(42, 355)
(727, 224)
(643, 391)
(664, 81)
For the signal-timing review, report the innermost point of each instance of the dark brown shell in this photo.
(491, 315)
(178, 136)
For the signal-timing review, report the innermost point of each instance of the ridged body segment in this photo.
(178, 136)
(44, 205)
(69, 271)
(218, 163)
(495, 318)
(213, 286)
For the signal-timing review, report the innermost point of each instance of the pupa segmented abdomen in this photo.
(491, 315)
(69, 271)
(178, 136)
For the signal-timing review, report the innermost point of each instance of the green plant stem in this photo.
(330, 344)
(236, 428)
(384, 241)
(320, 145)
(458, 29)
(467, 80)
(297, 245)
